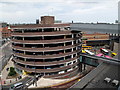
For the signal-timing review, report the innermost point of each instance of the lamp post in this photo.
(35, 71)
(1, 82)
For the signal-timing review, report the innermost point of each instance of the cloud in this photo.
(89, 1)
(32, 0)
(27, 11)
(99, 12)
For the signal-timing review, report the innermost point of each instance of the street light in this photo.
(35, 71)
(1, 82)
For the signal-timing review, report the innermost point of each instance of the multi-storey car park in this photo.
(46, 48)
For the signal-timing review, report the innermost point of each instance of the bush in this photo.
(12, 72)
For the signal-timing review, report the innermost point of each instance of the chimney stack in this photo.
(37, 21)
(47, 20)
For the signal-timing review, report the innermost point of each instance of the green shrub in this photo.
(12, 72)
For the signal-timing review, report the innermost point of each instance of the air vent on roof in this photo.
(115, 82)
(107, 79)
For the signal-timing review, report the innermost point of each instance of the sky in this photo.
(86, 11)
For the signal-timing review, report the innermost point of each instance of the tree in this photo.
(12, 72)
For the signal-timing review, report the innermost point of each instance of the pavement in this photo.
(4, 74)
(48, 82)
(5, 44)
(6, 83)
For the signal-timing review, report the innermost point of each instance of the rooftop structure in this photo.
(105, 76)
(47, 20)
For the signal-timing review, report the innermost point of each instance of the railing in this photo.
(41, 33)
(45, 48)
(46, 70)
(44, 41)
(45, 56)
(115, 61)
(44, 63)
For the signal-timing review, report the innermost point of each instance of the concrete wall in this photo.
(116, 49)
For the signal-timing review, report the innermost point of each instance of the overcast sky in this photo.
(27, 11)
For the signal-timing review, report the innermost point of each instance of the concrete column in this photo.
(111, 44)
(84, 66)
(72, 42)
(76, 41)
(72, 49)
(72, 35)
(23, 45)
(72, 55)
(24, 53)
(64, 36)
(80, 67)
(23, 38)
(64, 51)
(25, 66)
(42, 37)
(77, 48)
(24, 59)
(42, 29)
(64, 58)
(64, 43)
(22, 31)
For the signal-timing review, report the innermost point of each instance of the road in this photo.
(27, 81)
(24, 81)
(5, 53)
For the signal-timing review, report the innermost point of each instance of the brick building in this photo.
(95, 39)
(5, 33)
